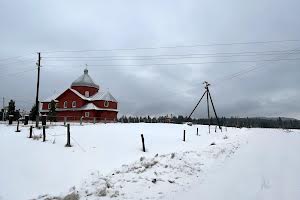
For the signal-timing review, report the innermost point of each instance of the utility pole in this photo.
(3, 109)
(37, 91)
(209, 100)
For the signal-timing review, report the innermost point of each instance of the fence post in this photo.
(184, 135)
(81, 119)
(26, 119)
(44, 120)
(10, 119)
(30, 132)
(65, 121)
(18, 130)
(94, 120)
(143, 142)
(68, 136)
(197, 131)
(44, 133)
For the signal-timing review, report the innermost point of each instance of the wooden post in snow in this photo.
(68, 136)
(10, 119)
(44, 133)
(143, 143)
(30, 132)
(81, 119)
(184, 135)
(197, 131)
(18, 130)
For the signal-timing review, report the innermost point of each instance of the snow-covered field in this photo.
(106, 161)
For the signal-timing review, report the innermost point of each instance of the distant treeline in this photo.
(259, 122)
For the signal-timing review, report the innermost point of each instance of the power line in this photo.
(248, 70)
(158, 58)
(187, 63)
(17, 73)
(172, 47)
(15, 57)
(175, 55)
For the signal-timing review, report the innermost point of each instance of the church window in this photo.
(74, 104)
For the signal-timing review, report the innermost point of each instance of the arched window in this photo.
(74, 104)
(87, 94)
(106, 103)
(65, 104)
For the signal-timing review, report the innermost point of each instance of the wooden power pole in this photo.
(37, 91)
(3, 109)
(209, 100)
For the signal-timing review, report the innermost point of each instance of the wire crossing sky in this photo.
(154, 56)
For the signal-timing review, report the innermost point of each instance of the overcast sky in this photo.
(159, 84)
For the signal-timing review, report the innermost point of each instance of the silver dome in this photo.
(85, 80)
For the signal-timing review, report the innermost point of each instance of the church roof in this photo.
(85, 80)
(106, 96)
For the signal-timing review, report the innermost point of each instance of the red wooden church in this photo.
(83, 99)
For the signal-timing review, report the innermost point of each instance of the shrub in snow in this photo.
(101, 190)
(103, 187)
(36, 137)
(172, 155)
(72, 196)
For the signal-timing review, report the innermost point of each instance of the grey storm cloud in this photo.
(156, 86)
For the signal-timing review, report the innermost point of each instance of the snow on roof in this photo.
(53, 97)
(79, 94)
(85, 80)
(91, 106)
(105, 96)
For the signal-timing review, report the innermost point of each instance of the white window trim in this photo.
(74, 104)
(106, 104)
(87, 114)
(87, 94)
(65, 104)
(49, 106)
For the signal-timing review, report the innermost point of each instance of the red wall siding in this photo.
(76, 115)
(45, 106)
(100, 104)
(82, 89)
(69, 96)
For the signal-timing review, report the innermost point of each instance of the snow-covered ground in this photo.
(106, 161)
(268, 167)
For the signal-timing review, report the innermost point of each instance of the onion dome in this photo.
(85, 80)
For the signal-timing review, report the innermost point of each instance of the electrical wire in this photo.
(173, 47)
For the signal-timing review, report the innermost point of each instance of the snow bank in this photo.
(111, 156)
